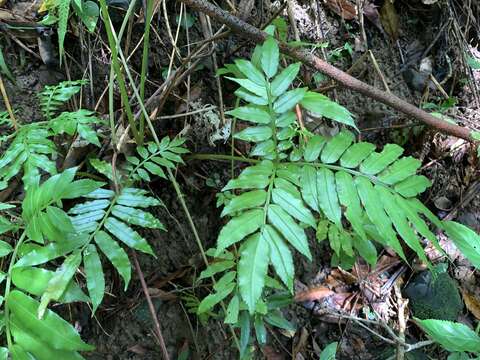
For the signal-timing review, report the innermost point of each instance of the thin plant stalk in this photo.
(112, 78)
(7, 105)
(145, 55)
(116, 66)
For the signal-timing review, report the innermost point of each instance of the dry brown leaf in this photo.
(160, 294)
(343, 8)
(389, 19)
(371, 13)
(137, 349)
(271, 354)
(313, 294)
(471, 302)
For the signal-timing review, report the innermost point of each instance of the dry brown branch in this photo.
(252, 33)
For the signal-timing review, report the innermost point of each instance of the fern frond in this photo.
(152, 158)
(29, 151)
(4, 118)
(81, 121)
(5, 122)
(37, 331)
(347, 191)
(50, 337)
(54, 96)
(43, 218)
(108, 216)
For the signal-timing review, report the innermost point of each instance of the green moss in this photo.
(434, 298)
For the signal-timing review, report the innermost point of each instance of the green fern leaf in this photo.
(153, 158)
(280, 256)
(81, 121)
(34, 280)
(42, 219)
(309, 187)
(293, 206)
(270, 57)
(52, 329)
(327, 195)
(233, 310)
(321, 105)
(54, 96)
(117, 256)
(238, 228)
(63, 13)
(355, 154)
(288, 100)
(361, 196)
(291, 231)
(336, 147)
(59, 281)
(52, 251)
(377, 162)
(255, 134)
(374, 209)
(250, 71)
(283, 80)
(348, 196)
(251, 114)
(211, 300)
(34, 348)
(313, 148)
(94, 274)
(252, 269)
(255, 89)
(245, 201)
(29, 152)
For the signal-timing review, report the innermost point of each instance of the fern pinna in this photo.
(348, 192)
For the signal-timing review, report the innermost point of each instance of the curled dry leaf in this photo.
(344, 291)
(314, 294)
(447, 245)
(389, 19)
(471, 302)
(371, 13)
(271, 354)
(343, 8)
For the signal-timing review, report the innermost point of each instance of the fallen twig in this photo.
(158, 329)
(252, 33)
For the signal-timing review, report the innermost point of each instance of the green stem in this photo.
(232, 150)
(116, 67)
(8, 284)
(221, 157)
(146, 48)
(136, 93)
(111, 110)
(276, 161)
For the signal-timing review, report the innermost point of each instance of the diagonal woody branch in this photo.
(252, 33)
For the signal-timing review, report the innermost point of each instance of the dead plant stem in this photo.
(151, 308)
(7, 105)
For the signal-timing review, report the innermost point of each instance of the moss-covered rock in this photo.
(434, 297)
